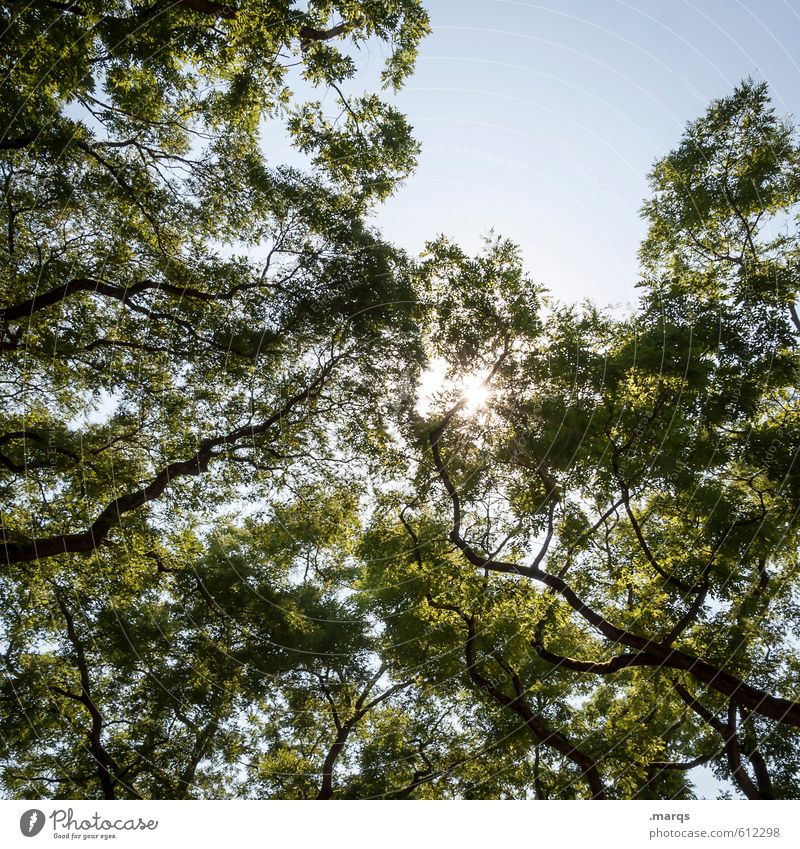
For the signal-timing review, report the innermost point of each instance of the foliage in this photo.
(242, 560)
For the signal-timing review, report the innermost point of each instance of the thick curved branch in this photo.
(18, 142)
(732, 746)
(655, 653)
(309, 34)
(519, 705)
(607, 667)
(25, 309)
(111, 516)
(757, 761)
(734, 754)
(326, 785)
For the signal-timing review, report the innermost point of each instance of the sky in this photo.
(542, 121)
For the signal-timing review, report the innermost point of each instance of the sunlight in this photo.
(434, 383)
(476, 393)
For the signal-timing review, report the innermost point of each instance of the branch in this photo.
(654, 653)
(111, 516)
(519, 705)
(729, 736)
(25, 309)
(757, 761)
(607, 667)
(343, 729)
(309, 34)
(18, 142)
(106, 766)
(681, 765)
(733, 751)
(691, 614)
(670, 579)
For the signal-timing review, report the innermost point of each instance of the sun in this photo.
(472, 390)
(476, 394)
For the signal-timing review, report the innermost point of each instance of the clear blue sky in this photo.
(542, 121)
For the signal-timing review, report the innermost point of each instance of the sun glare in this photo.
(476, 393)
(433, 382)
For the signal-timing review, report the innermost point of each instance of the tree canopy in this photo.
(242, 558)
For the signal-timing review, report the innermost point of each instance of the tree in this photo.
(186, 325)
(156, 259)
(242, 560)
(640, 475)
